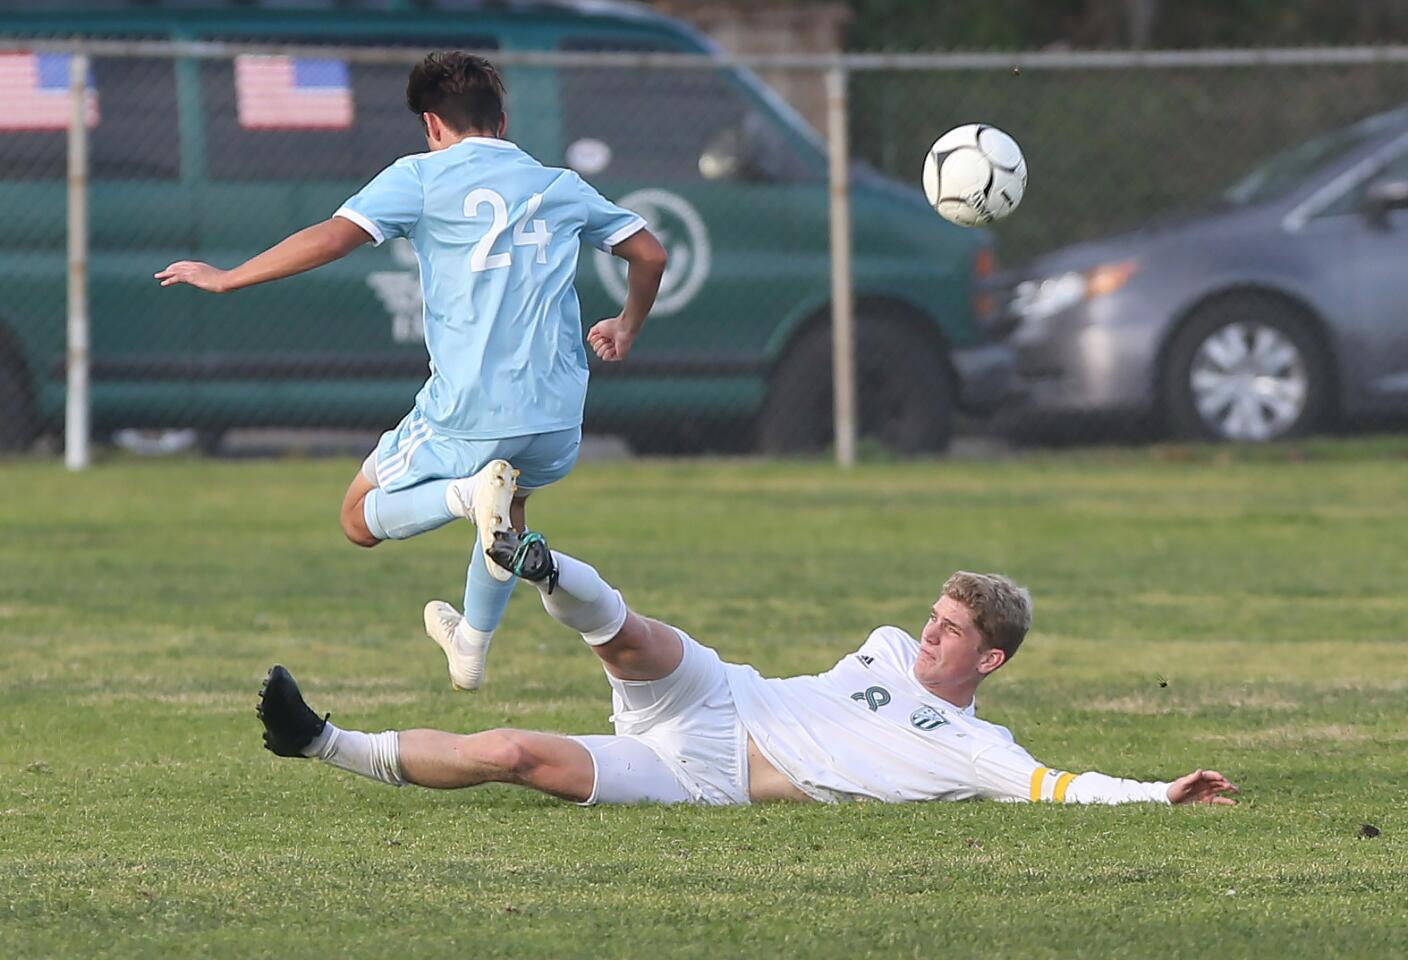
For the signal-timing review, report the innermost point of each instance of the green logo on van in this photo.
(681, 231)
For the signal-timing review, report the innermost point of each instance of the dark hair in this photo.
(461, 89)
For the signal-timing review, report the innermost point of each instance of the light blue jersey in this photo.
(497, 235)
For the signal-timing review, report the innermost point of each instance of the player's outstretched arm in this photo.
(645, 258)
(1008, 772)
(311, 247)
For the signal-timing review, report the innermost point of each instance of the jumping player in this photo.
(497, 237)
(893, 721)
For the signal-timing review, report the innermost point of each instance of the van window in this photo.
(668, 124)
(321, 142)
(136, 138)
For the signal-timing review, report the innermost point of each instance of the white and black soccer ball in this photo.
(974, 175)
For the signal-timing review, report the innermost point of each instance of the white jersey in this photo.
(867, 728)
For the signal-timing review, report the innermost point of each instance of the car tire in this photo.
(1246, 368)
(904, 392)
(18, 424)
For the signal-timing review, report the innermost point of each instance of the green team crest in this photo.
(927, 718)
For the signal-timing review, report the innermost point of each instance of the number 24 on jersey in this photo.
(528, 232)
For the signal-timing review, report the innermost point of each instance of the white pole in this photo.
(76, 409)
(843, 340)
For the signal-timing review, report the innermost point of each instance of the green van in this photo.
(737, 353)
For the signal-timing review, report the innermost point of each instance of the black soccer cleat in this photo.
(289, 724)
(527, 556)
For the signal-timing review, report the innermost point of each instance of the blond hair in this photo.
(1002, 611)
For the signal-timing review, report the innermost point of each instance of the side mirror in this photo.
(1382, 196)
(727, 155)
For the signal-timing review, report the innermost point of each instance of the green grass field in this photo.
(1241, 611)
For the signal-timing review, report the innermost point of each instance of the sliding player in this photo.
(497, 236)
(893, 721)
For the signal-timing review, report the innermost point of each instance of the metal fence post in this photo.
(843, 340)
(76, 411)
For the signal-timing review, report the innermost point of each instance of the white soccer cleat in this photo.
(486, 498)
(465, 656)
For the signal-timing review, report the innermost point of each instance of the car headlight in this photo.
(1039, 299)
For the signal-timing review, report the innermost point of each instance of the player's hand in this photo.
(610, 339)
(1202, 786)
(200, 275)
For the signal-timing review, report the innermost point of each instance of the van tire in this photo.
(904, 391)
(19, 426)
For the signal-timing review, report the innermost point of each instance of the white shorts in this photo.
(678, 739)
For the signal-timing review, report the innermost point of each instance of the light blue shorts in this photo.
(412, 453)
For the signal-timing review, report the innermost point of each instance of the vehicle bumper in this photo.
(987, 375)
(1084, 361)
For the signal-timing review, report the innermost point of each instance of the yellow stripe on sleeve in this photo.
(1062, 782)
(1038, 775)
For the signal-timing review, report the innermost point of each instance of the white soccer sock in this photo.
(469, 640)
(373, 755)
(583, 601)
(459, 497)
(471, 649)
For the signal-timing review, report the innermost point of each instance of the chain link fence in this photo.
(1132, 296)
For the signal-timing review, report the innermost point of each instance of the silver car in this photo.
(1282, 310)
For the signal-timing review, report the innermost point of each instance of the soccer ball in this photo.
(974, 174)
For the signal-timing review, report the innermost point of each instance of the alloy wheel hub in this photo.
(1249, 382)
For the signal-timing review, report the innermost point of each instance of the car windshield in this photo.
(1289, 168)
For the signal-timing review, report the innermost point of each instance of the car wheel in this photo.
(18, 424)
(903, 390)
(1245, 369)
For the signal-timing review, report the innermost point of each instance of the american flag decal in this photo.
(288, 93)
(34, 92)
